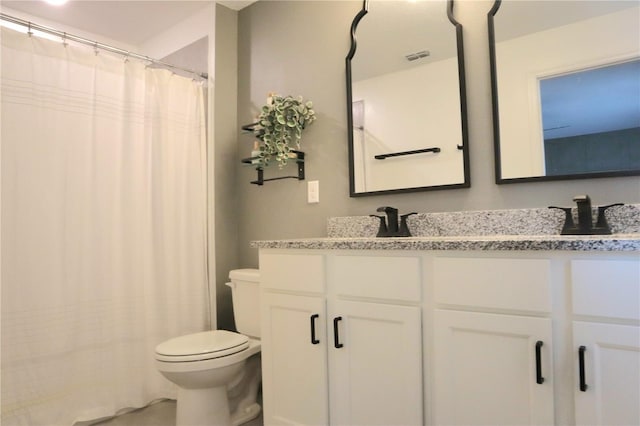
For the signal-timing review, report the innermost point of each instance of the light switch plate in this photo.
(313, 191)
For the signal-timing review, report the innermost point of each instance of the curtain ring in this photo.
(126, 57)
(64, 40)
(29, 32)
(95, 48)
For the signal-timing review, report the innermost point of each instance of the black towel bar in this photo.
(398, 154)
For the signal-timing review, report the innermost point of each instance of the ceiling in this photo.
(130, 22)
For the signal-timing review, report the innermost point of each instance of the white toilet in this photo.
(218, 372)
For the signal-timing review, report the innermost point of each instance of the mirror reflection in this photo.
(566, 89)
(604, 134)
(406, 107)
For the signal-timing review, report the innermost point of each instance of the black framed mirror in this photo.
(406, 99)
(565, 89)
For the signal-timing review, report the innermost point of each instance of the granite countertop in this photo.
(516, 229)
(616, 242)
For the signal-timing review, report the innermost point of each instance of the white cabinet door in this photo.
(375, 364)
(611, 364)
(486, 369)
(294, 360)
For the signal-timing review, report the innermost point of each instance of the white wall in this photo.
(523, 61)
(195, 27)
(387, 127)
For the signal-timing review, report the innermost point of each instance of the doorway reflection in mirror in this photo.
(591, 119)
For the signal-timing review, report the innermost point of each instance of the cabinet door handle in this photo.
(539, 378)
(583, 382)
(336, 337)
(314, 341)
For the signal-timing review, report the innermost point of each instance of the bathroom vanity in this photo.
(451, 330)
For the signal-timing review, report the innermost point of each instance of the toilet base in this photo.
(190, 412)
(249, 413)
(198, 407)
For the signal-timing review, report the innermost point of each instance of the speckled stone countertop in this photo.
(522, 229)
(619, 242)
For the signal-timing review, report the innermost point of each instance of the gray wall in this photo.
(225, 156)
(595, 152)
(298, 48)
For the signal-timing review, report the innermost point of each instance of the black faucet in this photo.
(585, 218)
(392, 219)
(389, 227)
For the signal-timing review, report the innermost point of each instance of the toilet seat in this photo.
(202, 346)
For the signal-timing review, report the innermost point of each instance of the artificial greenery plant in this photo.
(280, 125)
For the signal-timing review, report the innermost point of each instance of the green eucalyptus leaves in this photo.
(280, 127)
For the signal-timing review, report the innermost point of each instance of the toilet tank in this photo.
(245, 292)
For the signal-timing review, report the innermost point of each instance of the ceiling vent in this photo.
(417, 55)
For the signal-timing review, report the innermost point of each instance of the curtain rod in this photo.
(95, 44)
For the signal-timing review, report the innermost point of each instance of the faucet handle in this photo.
(601, 223)
(568, 219)
(404, 227)
(382, 230)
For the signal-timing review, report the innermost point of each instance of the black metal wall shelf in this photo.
(299, 160)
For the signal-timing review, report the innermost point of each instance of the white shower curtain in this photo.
(103, 228)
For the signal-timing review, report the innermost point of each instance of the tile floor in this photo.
(162, 413)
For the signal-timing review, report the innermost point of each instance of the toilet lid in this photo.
(203, 345)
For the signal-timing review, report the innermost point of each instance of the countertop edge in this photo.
(626, 243)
